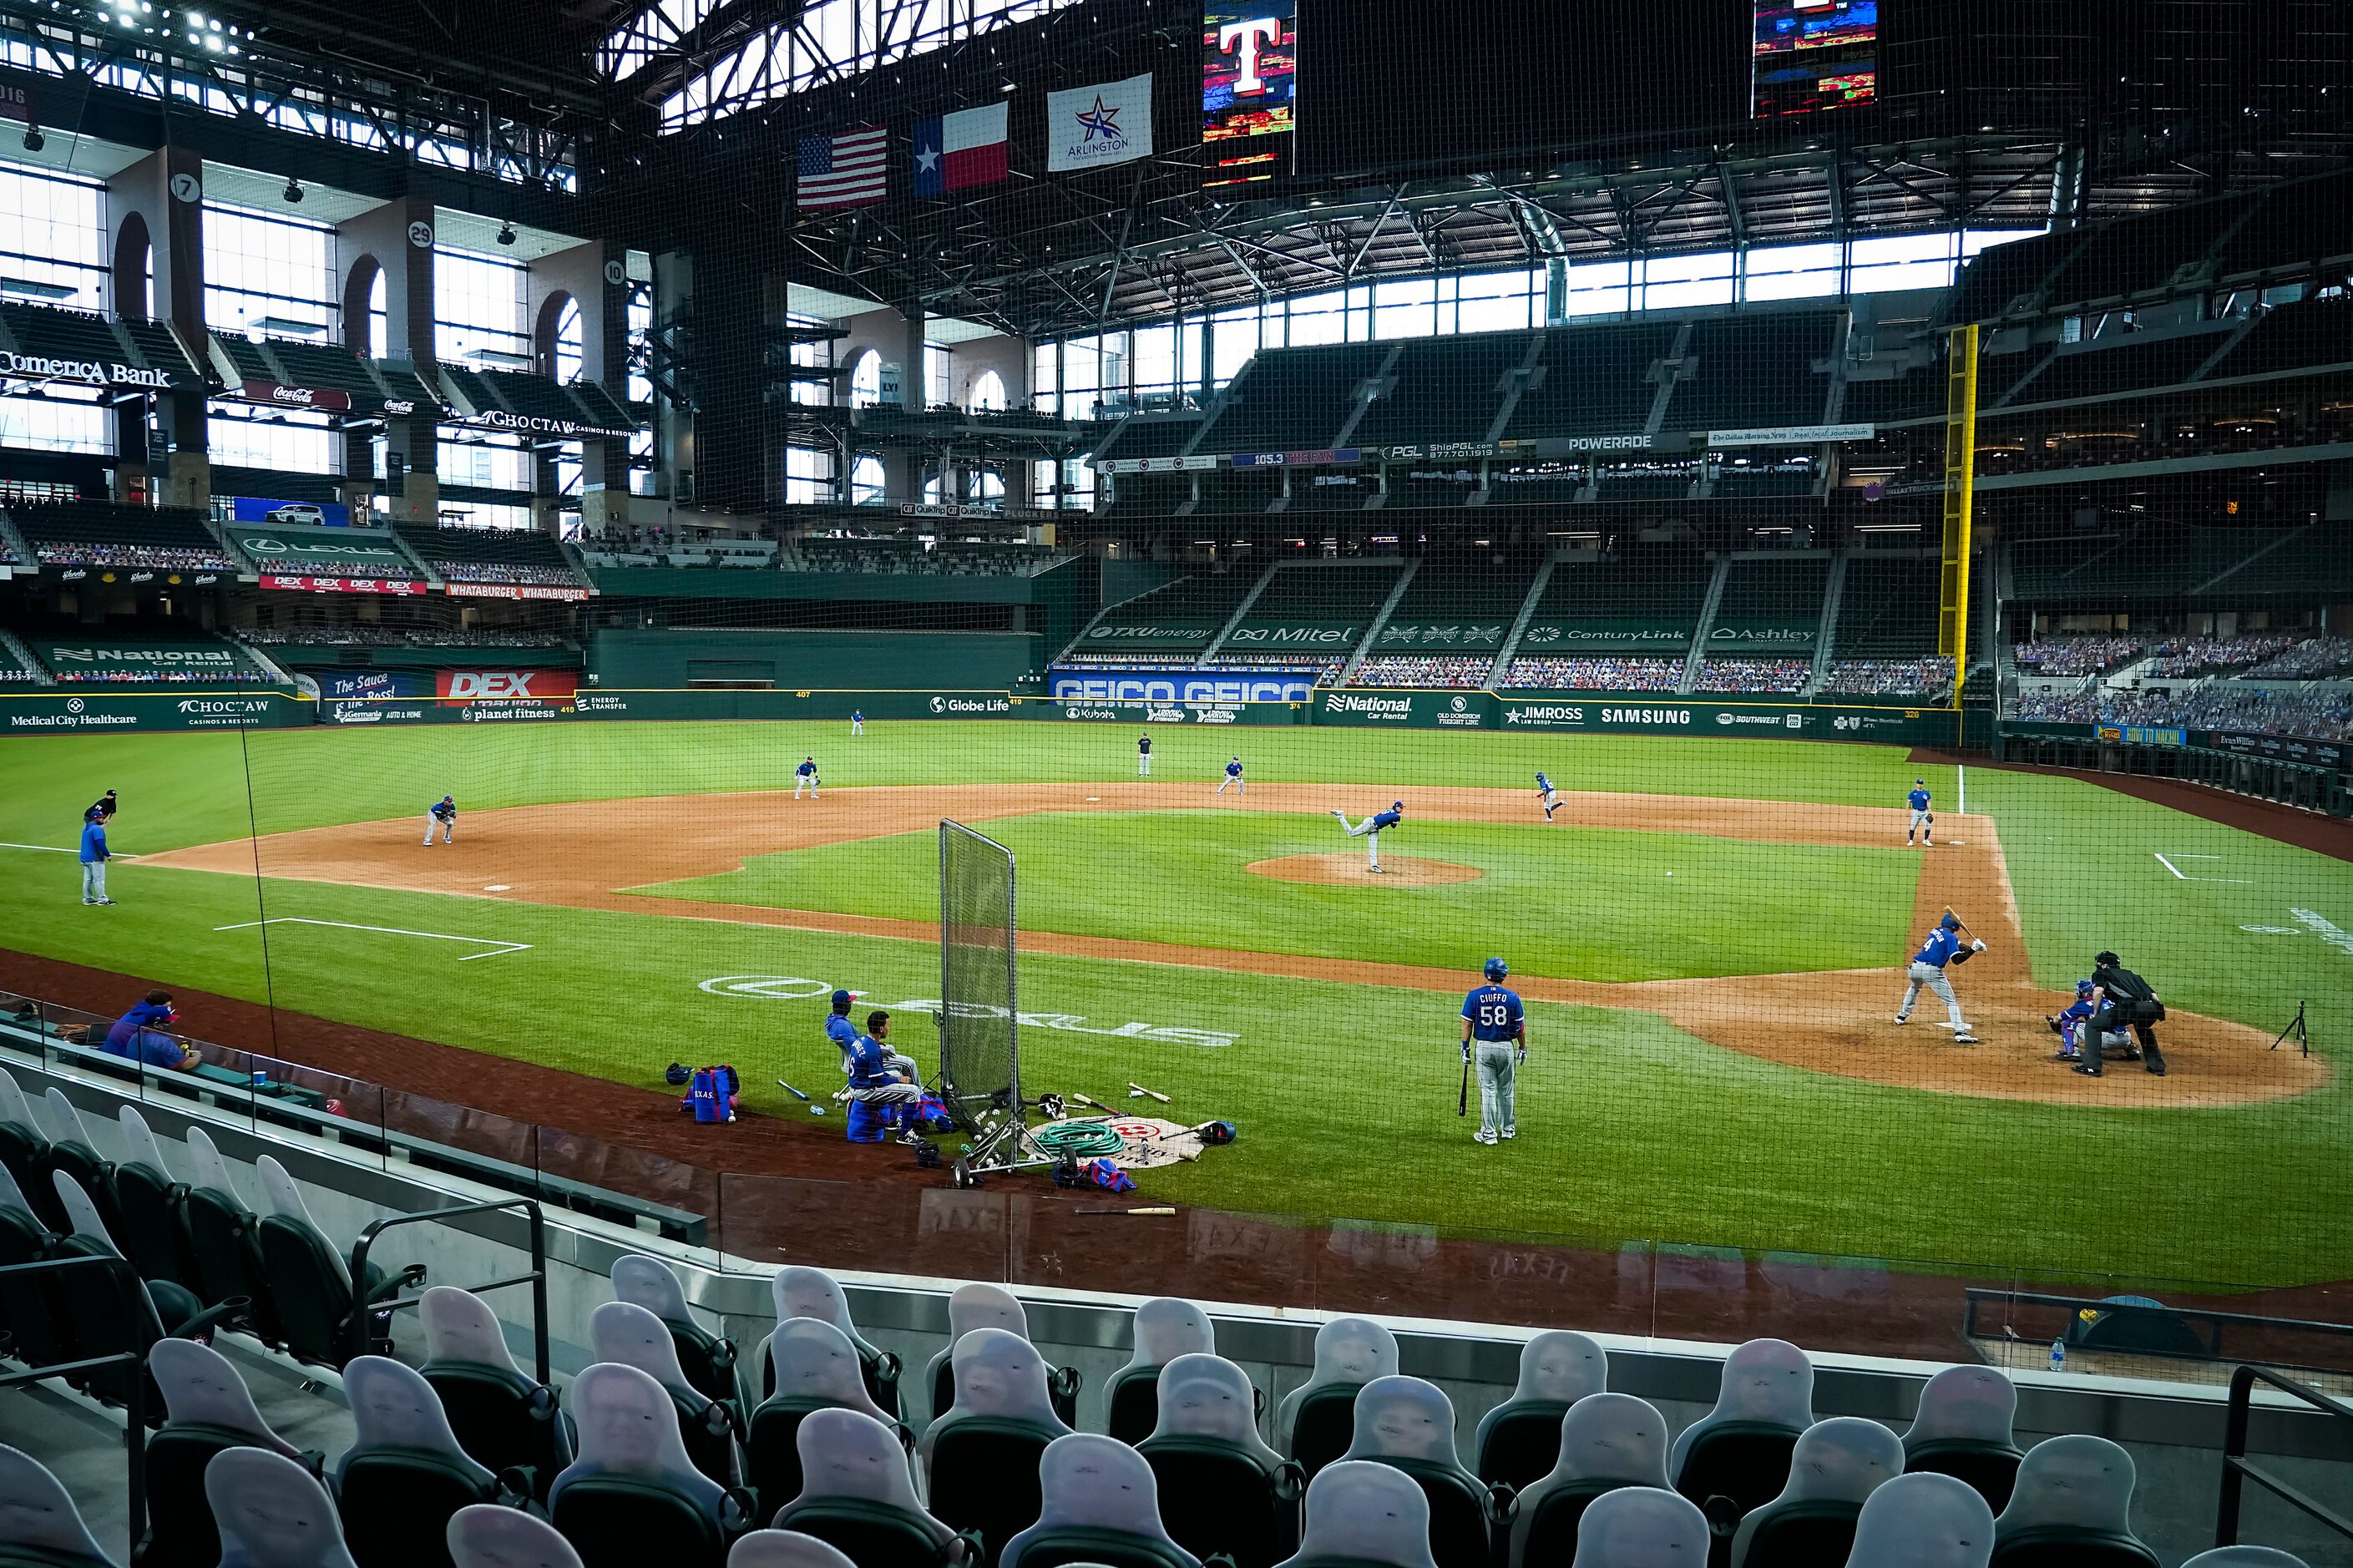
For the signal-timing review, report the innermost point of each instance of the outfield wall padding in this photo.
(644, 658)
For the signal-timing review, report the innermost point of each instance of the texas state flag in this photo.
(959, 151)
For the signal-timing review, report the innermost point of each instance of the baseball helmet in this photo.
(676, 1075)
(1396, 806)
(2084, 987)
(1951, 922)
(1497, 969)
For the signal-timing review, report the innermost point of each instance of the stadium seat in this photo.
(1606, 1441)
(991, 1307)
(224, 1239)
(1224, 1491)
(618, 1332)
(858, 1495)
(708, 1361)
(1316, 1421)
(1519, 1441)
(981, 1459)
(71, 1153)
(1833, 1470)
(817, 1369)
(405, 1478)
(2071, 1509)
(632, 1495)
(812, 1293)
(1165, 1327)
(2246, 1557)
(1364, 1516)
(39, 1526)
(31, 1329)
(148, 1202)
(1924, 1522)
(785, 1549)
(1962, 1429)
(1637, 1527)
(310, 1282)
(488, 1536)
(105, 1313)
(273, 1514)
(1739, 1451)
(209, 1411)
(1408, 1424)
(25, 1151)
(1099, 1505)
(503, 1419)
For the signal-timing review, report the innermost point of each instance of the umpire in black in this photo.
(2121, 999)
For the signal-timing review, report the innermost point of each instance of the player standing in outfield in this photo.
(857, 722)
(1144, 756)
(1371, 829)
(1923, 823)
(1546, 796)
(804, 778)
(1943, 947)
(1234, 777)
(1495, 1041)
(442, 813)
(94, 857)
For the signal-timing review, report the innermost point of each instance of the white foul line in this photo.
(498, 948)
(2187, 878)
(53, 849)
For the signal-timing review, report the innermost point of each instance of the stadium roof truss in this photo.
(1040, 257)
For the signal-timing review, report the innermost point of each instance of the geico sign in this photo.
(1182, 689)
(500, 683)
(96, 373)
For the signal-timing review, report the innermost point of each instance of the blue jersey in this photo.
(442, 810)
(1919, 798)
(806, 770)
(1234, 769)
(1494, 1014)
(1387, 819)
(1938, 950)
(93, 843)
(868, 1061)
(841, 1032)
(1544, 784)
(2077, 1012)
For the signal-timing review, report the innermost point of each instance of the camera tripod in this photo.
(2296, 1028)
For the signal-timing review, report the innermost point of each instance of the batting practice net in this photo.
(980, 1057)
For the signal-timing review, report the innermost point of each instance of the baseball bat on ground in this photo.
(1123, 1211)
(814, 1109)
(1153, 1092)
(1098, 1105)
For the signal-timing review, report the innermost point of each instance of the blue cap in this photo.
(1951, 922)
(1497, 969)
(841, 998)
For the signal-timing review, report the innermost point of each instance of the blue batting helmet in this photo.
(2084, 987)
(1951, 922)
(1497, 969)
(1396, 806)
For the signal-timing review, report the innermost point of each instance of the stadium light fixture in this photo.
(506, 233)
(293, 192)
(34, 139)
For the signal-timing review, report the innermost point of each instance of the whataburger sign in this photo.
(89, 372)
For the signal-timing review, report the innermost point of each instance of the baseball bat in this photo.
(1153, 1092)
(1123, 1211)
(1098, 1105)
(788, 1088)
(1462, 1100)
(1964, 924)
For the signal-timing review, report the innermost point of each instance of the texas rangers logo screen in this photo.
(1247, 58)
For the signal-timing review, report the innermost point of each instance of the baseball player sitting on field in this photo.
(881, 1077)
(1371, 829)
(443, 814)
(1944, 946)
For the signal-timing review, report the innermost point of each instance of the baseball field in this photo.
(1709, 935)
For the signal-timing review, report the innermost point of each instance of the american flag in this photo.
(843, 170)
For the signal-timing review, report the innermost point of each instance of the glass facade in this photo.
(53, 236)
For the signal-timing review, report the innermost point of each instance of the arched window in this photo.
(987, 392)
(866, 380)
(866, 481)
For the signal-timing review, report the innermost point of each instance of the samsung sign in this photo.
(1165, 685)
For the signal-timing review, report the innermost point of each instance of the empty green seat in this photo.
(405, 1477)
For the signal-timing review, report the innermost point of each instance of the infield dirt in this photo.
(590, 855)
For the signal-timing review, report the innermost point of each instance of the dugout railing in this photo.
(2284, 781)
(2239, 1467)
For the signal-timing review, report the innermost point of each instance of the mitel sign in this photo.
(91, 371)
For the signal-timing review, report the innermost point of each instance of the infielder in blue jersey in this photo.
(1371, 829)
(1944, 946)
(442, 813)
(805, 778)
(1234, 777)
(1495, 1041)
(1546, 796)
(1923, 823)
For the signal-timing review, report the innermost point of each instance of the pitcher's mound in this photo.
(1350, 868)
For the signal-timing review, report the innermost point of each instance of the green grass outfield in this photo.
(1631, 1130)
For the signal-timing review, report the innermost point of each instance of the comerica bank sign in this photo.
(91, 371)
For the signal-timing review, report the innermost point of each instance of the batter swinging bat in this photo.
(1153, 1092)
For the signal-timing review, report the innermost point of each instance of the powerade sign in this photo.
(1177, 687)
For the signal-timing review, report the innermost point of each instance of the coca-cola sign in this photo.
(282, 396)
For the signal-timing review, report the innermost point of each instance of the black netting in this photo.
(980, 1072)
